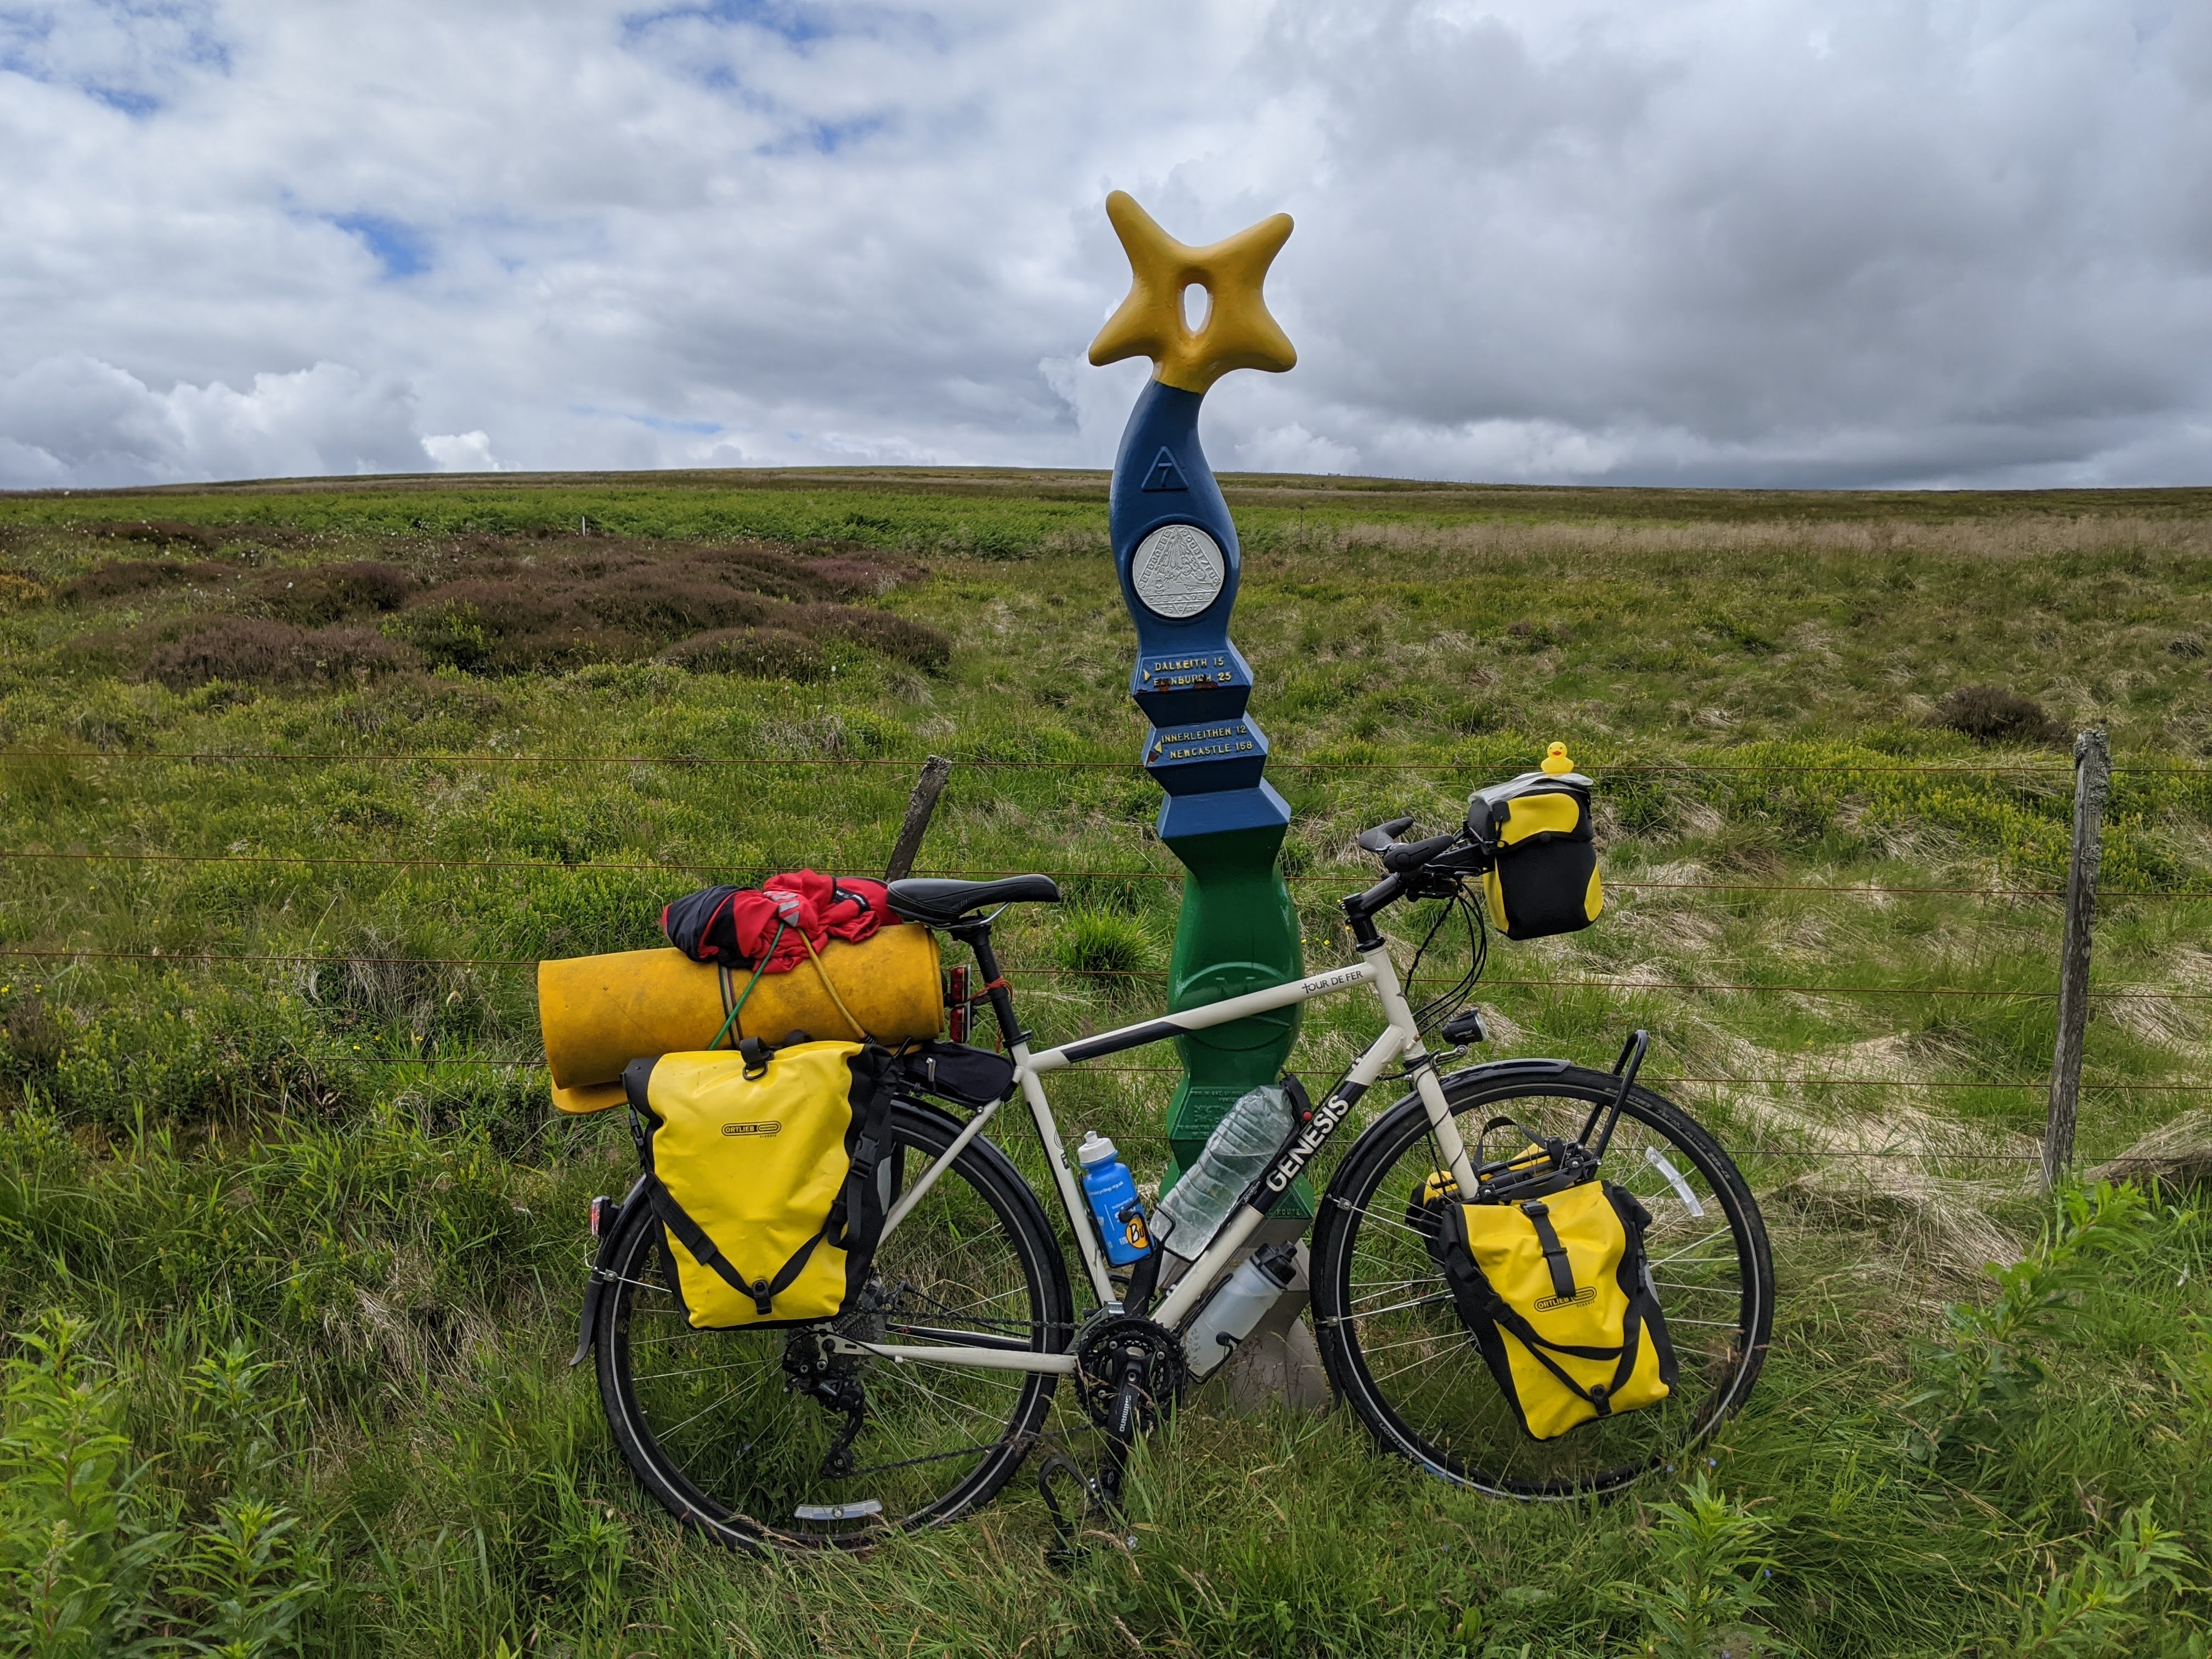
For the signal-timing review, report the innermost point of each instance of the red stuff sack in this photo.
(771, 926)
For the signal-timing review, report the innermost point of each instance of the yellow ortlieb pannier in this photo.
(1557, 1293)
(599, 1013)
(761, 1166)
(1543, 875)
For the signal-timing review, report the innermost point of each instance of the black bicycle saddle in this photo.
(938, 902)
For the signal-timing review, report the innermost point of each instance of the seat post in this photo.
(976, 936)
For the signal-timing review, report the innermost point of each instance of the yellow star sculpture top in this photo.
(1237, 333)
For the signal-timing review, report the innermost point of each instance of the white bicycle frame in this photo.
(1400, 1039)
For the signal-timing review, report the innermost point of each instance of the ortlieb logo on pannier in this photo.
(762, 1170)
(1556, 1292)
(1543, 875)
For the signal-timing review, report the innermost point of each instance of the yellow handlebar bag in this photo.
(1557, 1294)
(762, 1168)
(1543, 876)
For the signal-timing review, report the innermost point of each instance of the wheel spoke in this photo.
(1440, 1299)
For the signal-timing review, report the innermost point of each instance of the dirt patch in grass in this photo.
(319, 595)
(761, 653)
(499, 613)
(122, 578)
(2178, 1153)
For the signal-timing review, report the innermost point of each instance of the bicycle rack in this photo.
(1625, 1068)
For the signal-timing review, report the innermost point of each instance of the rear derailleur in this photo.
(834, 1383)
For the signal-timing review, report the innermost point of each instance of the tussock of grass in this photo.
(483, 606)
(1990, 714)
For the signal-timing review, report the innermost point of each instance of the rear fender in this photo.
(595, 1287)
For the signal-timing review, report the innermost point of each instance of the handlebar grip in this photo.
(1383, 836)
(1411, 855)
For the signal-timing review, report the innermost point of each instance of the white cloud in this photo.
(462, 452)
(74, 419)
(1704, 240)
(1293, 449)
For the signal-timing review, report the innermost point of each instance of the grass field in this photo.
(293, 1247)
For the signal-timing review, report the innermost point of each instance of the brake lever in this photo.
(1404, 856)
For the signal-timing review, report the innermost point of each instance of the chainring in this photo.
(1104, 1347)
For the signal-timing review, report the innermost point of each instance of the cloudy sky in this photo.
(1818, 242)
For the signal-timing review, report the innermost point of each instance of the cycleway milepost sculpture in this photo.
(1174, 548)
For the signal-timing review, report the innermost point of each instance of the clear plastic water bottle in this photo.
(1253, 1131)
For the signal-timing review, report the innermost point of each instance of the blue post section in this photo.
(1191, 682)
(1177, 553)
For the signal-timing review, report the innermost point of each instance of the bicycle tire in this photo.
(749, 1466)
(1434, 1400)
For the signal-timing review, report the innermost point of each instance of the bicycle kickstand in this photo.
(1068, 1534)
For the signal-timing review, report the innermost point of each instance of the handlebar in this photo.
(1429, 868)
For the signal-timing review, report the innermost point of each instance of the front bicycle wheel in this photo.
(763, 1438)
(1392, 1340)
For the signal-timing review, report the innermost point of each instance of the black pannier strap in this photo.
(693, 1238)
(1642, 1361)
(1555, 1254)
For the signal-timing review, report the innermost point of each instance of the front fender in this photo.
(595, 1286)
(1506, 1070)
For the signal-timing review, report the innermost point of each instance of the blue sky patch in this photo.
(127, 54)
(792, 20)
(401, 249)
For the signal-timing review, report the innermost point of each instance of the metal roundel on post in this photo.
(1175, 549)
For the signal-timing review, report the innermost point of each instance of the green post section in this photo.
(1239, 932)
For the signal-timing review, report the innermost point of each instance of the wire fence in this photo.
(2048, 768)
(2119, 993)
(1344, 879)
(321, 861)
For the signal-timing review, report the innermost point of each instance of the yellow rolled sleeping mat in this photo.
(600, 1013)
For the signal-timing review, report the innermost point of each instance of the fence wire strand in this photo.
(434, 1063)
(319, 860)
(2122, 992)
(2045, 769)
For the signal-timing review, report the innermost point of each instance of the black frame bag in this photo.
(761, 1165)
(954, 1071)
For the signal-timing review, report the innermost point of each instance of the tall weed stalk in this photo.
(78, 1544)
(2108, 1602)
(93, 1560)
(1710, 1566)
(1982, 1373)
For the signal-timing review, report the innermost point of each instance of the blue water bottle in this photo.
(1114, 1206)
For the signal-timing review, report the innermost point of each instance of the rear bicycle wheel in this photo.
(760, 1439)
(1397, 1351)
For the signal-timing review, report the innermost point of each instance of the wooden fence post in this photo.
(918, 807)
(2093, 777)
